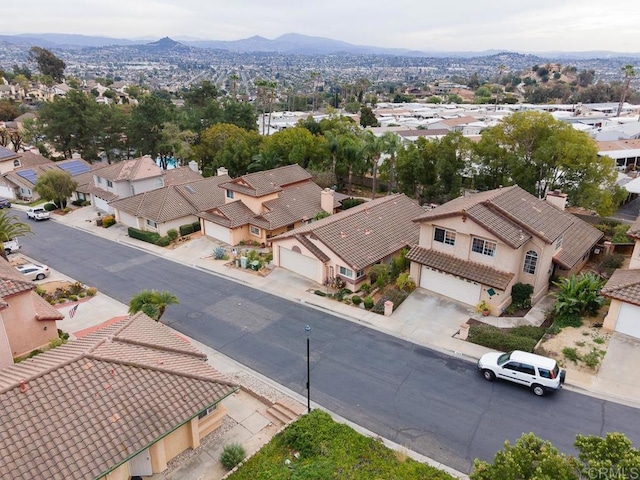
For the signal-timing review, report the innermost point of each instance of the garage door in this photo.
(629, 320)
(450, 286)
(218, 232)
(299, 263)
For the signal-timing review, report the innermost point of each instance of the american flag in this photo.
(72, 312)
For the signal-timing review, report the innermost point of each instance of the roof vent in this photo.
(189, 189)
(342, 234)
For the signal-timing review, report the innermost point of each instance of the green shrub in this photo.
(592, 359)
(620, 234)
(77, 203)
(521, 295)
(232, 455)
(91, 291)
(218, 253)
(86, 203)
(598, 340)
(528, 331)
(186, 229)
(571, 353)
(365, 288)
(320, 293)
(50, 207)
(196, 226)
(73, 298)
(562, 321)
(405, 282)
(494, 338)
(163, 241)
(368, 303)
(322, 214)
(613, 261)
(399, 264)
(351, 202)
(149, 237)
(578, 295)
(379, 274)
(356, 300)
(172, 234)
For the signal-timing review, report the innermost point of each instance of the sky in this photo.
(464, 25)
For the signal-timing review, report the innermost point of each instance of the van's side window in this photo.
(528, 369)
(544, 373)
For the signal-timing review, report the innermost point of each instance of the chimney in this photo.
(557, 199)
(326, 200)
(222, 171)
(193, 165)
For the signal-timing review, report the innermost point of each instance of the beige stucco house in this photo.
(345, 245)
(477, 247)
(623, 288)
(170, 207)
(262, 205)
(27, 321)
(121, 402)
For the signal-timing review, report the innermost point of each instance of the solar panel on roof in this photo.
(75, 167)
(29, 175)
(189, 189)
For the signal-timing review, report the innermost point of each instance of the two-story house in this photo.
(477, 247)
(261, 205)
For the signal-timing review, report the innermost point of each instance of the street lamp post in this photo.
(308, 330)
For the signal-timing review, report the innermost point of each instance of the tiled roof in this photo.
(460, 268)
(30, 159)
(294, 203)
(87, 406)
(229, 215)
(44, 310)
(270, 181)
(634, 229)
(129, 170)
(176, 176)
(101, 193)
(514, 216)
(174, 201)
(319, 254)
(363, 235)
(11, 281)
(623, 285)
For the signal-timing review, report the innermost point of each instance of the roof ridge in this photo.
(159, 347)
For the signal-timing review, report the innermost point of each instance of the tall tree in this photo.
(146, 123)
(48, 63)
(392, 144)
(11, 227)
(226, 145)
(374, 146)
(629, 73)
(56, 186)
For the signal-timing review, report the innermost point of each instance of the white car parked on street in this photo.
(539, 373)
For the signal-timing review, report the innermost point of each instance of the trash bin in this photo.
(243, 262)
(255, 265)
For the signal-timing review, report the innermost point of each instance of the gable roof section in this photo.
(270, 181)
(44, 310)
(179, 175)
(460, 268)
(86, 407)
(30, 159)
(624, 285)
(11, 281)
(230, 215)
(131, 170)
(363, 235)
(296, 202)
(174, 201)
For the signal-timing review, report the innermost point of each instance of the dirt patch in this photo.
(581, 345)
(51, 287)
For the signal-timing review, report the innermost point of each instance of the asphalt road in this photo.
(429, 402)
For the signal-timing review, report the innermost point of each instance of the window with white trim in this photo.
(559, 242)
(16, 163)
(109, 183)
(346, 272)
(254, 230)
(484, 247)
(230, 194)
(444, 236)
(151, 223)
(360, 273)
(530, 262)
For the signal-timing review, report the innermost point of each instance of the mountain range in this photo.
(290, 43)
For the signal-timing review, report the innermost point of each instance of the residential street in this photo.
(430, 402)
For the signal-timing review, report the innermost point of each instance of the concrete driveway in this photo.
(619, 376)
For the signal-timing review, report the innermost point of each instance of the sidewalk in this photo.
(414, 321)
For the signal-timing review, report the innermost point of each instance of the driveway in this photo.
(619, 375)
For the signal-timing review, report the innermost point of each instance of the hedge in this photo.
(186, 229)
(196, 226)
(494, 338)
(149, 237)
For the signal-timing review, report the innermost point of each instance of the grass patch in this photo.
(317, 448)
(571, 354)
(518, 338)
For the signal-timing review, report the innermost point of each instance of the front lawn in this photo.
(317, 448)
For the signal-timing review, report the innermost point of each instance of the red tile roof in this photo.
(461, 268)
(86, 407)
(269, 181)
(623, 285)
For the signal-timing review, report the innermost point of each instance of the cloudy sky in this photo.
(463, 25)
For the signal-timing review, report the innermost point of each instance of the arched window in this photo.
(530, 262)
(16, 163)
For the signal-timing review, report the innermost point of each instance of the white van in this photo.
(539, 373)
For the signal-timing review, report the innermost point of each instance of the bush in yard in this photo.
(232, 455)
(368, 303)
(365, 288)
(77, 203)
(86, 203)
(108, 221)
(163, 242)
(405, 282)
(351, 202)
(356, 300)
(149, 237)
(186, 229)
(620, 234)
(578, 295)
(91, 291)
(50, 207)
(218, 253)
(494, 338)
(196, 226)
(521, 295)
(379, 274)
(172, 234)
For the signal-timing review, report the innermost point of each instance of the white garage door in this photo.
(450, 286)
(629, 320)
(7, 192)
(218, 232)
(299, 263)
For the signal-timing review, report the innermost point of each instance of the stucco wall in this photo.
(635, 256)
(611, 318)
(253, 203)
(141, 186)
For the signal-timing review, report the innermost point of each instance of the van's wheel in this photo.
(537, 389)
(488, 375)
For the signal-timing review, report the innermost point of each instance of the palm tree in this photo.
(629, 73)
(374, 147)
(265, 160)
(234, 85)
(391, 146)
(11, 227)
(152, 303)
